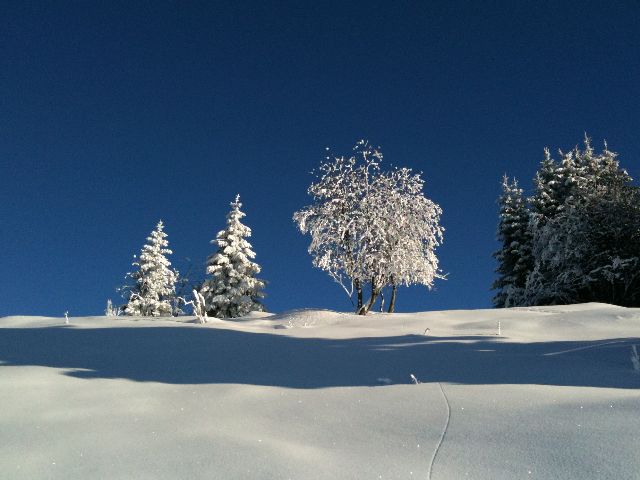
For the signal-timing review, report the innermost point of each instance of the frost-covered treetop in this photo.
(235, 228)
(153, 259)
(577, 175)
(232, 244)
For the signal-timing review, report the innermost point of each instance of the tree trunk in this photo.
(392, 302)
(359, 293)
(375, 291)
(381, 301)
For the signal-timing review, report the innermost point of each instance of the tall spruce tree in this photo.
(233, 290)
(153, 292)
(558, 187)
(514, 256)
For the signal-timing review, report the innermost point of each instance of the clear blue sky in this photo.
(116, 114)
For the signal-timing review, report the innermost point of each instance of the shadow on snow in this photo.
(188, 355)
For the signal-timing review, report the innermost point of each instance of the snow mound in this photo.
(252, 315)
(309, 318)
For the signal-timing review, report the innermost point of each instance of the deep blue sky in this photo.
(115, 114)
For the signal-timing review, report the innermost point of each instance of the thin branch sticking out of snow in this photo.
(198, 305)
(635, 359)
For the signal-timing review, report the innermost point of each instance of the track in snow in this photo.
(443, 434)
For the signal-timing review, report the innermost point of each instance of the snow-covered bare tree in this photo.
(153, 291)
(514, 258)
(371, 227)
(233, 290)
(335, 220)
(401, 232)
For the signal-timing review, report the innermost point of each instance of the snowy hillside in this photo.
(323, 395)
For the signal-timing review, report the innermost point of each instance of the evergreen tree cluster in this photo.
(576, 239)
(231, 291)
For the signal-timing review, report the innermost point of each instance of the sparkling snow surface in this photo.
(323, 395)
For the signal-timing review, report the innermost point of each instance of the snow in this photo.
(317, 394)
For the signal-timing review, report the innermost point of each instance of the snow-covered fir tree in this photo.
(558, 187)
(600, 174)
(549, 186)
(585, 251)
(153, 293)
(590, 252)
(233, 291)
(583, 232)
(514, 257)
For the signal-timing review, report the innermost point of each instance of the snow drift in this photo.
(319, 394)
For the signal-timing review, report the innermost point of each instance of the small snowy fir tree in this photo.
(514, 256)
(234, 290)
(153, 293)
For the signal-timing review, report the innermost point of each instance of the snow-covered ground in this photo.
(323, 395)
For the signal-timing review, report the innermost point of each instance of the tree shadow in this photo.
(191, 355)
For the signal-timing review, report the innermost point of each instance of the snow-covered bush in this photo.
(233, 290)
(153, 293)
(111, 311)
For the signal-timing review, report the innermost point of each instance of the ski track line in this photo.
(443, 434)
(584, 348)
